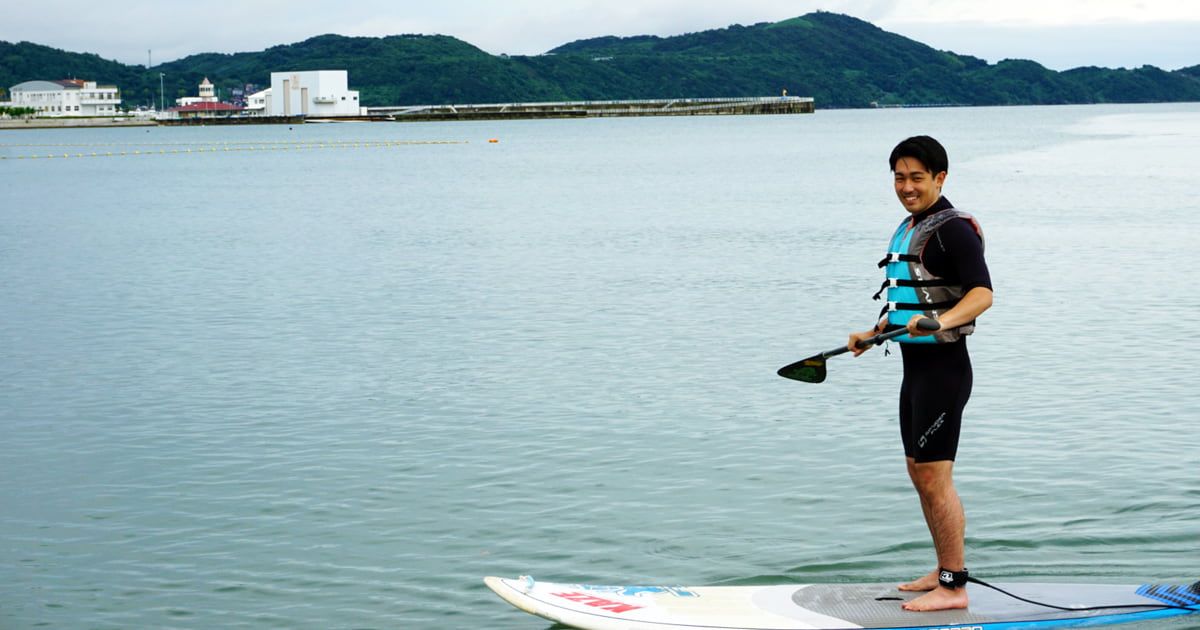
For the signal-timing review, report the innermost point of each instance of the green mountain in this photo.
(1193, 71)
(846, 62)
(839, 60)
(26, 62)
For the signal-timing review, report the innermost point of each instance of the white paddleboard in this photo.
(835, 606)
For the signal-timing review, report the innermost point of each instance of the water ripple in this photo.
(341, 403)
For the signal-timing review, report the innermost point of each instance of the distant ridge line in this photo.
(841, 61)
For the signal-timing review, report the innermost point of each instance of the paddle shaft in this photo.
(812, 369)
(924, 324)
(865, 343)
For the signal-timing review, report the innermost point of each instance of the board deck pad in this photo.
(834, 606)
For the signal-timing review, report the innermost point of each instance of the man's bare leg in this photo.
(947, 525)
(929, 581)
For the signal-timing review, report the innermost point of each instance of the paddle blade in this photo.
(810, 370)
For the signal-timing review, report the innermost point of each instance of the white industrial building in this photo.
(315, 93)
(71, 97)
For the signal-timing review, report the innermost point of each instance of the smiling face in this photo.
(916, 187)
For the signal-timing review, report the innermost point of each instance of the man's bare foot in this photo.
(938, 599)
(923, 583)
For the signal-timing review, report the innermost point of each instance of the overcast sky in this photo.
(1059, 34)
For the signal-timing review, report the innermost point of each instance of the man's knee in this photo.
(931, 477)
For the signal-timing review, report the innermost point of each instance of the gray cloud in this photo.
(1167, 45)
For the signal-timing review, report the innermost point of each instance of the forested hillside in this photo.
(839, 60)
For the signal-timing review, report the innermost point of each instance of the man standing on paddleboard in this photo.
(935, 268)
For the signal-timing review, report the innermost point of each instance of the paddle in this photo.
(812, 369)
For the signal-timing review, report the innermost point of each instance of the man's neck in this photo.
(941, 204)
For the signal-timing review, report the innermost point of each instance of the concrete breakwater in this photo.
(66, 122)
(487, 111)
(600, 109)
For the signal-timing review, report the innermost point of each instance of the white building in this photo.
(208, 94)
(71, 97)
(313, 93)
(256, 103)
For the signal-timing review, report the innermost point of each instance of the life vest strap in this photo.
(892, 257)
(919, 307)
(891, 283)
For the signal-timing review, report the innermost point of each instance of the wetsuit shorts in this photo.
(936, 386)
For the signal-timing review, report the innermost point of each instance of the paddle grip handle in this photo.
(925, 323)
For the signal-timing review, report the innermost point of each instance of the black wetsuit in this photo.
(937, 377)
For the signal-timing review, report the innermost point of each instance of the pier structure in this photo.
(232, 120)
(601, 109)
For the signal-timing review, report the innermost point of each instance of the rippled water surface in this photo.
(334, 388)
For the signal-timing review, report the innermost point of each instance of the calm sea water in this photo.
(333, 388)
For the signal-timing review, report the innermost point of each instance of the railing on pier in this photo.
(572, 109)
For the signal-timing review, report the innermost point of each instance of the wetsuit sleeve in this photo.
(964, 249)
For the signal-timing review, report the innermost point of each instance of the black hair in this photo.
(924, 148)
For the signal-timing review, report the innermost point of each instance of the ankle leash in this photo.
(953, 579)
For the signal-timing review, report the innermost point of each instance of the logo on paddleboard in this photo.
(597, 602)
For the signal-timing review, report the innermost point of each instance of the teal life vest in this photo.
(911, 288)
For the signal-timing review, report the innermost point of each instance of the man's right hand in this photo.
(860, 336)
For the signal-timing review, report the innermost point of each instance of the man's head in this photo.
(919, 165)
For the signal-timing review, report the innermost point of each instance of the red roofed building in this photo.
(206, 110)
(207, 105)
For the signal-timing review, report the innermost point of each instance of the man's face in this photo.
(916, 187)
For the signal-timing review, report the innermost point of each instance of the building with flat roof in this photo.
(256, 103)
(315, 93)
(70, 97)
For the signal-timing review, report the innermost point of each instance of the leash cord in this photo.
(1083, 608)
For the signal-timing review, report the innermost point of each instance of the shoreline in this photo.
(517, 111)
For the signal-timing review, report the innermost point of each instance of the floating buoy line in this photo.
(118, 149)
